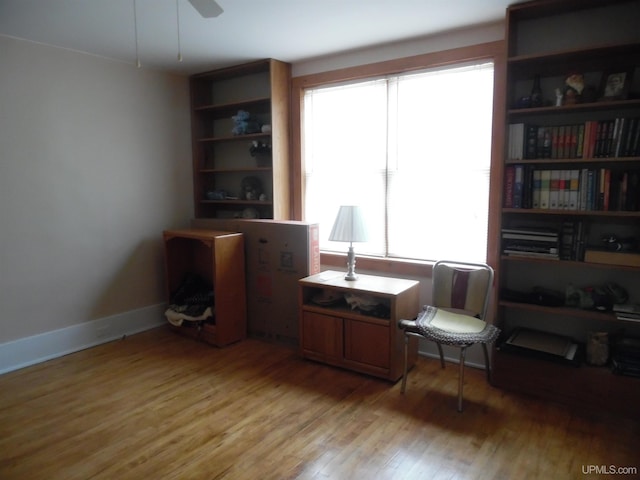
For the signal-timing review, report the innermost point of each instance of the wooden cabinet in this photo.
(222, 160)
(366, 339)
(549, 41)
(218, 258)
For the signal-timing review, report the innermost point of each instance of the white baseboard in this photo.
(470, 361)
(45, 346)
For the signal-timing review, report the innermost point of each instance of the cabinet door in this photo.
(322, 336)
(367, 343)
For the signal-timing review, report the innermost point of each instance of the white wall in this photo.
(435, 43)
(95, 161)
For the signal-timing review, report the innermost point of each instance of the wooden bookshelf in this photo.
(538, 45)
(221, 159)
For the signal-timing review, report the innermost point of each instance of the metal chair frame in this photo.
(456, 340)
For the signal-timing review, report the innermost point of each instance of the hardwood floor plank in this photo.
(157, 405)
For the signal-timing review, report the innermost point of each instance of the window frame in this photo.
(493, 51)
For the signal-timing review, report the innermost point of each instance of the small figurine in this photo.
(574, 84)
(245, 123)
(559, 97)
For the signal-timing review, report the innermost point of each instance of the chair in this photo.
(456, 316)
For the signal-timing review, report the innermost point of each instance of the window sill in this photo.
(387, 266)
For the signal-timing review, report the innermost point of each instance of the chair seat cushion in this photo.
(451, 328)
(454, 322)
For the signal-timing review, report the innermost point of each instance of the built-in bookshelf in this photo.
(241, 170)
(570, 221)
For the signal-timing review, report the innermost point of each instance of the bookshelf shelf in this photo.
(572, 161)
(235, 138)
(562, 311)
(585, 213)
(235, 170)
(515, 113)
(236, 202)
(567, 263)
(574, 170)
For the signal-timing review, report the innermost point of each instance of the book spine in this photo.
(567, 242)
(620, 136)
(590, 190)
(554, 187)
(580, 141)
(535, 203)
(509, 180)
(527, 187)
(545, 181)
(607, 189)
(561, 141)
(587, 140)
(518, 186)
(531, 141)
(583, 189)
(574, 183)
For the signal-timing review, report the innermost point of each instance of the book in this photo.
(586, 142)
(545, 181)
(629, 317)
(580, 140)
(509, 180)
(530, 141)
(544, 239)
(563, 197)
(619, 136)
(608, 257)
(527, 186)
(516, 141)
(574, 183)
(633, 308)
(522, 253)
(582, 189)
(518, 186)
(567, 240)
(554, 189)
(547, 232)
(535, 194)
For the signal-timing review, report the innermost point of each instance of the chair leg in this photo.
(486, 362)
(461, 377)
(441, 354)
(404, 372)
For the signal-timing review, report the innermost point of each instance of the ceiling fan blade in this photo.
(207, 8)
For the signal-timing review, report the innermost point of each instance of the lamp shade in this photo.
(349, 225)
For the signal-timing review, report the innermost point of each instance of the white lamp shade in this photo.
(349, 225)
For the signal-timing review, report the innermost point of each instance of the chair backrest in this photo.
(462, 286)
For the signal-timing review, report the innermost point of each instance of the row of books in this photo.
(619, 137)
(568, 243)
(531, 242)
(602, 189)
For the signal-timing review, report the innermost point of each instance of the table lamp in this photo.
(349, 227)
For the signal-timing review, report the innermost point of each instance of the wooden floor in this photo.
(160, 406)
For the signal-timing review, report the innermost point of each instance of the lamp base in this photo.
(351, 265)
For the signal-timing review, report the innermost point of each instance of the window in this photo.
(413, 150)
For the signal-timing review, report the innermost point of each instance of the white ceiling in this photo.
(289, 30)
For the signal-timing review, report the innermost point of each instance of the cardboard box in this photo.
(277, 255)
(612, 258)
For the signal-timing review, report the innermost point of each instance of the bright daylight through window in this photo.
(413, 151)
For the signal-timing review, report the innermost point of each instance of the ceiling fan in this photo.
(207, 8)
